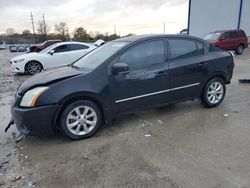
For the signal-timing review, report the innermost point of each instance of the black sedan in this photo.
(122, 76)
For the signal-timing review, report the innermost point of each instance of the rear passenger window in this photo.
(200, 47)
(182, 48)
(242, 34)
(144, 55)
(233, 35)
(74, 47)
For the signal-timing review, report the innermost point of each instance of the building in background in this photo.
(212, 15)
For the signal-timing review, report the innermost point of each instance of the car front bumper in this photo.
(35, 121)
(17, 67)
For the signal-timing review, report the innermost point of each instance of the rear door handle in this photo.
(202, 65)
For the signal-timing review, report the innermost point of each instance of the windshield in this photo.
(212, 36)
(98, 56)
(46, 50)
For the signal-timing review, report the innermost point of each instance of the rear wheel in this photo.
(80, 119)
(214, 93)
(33, 67)
(240, 49)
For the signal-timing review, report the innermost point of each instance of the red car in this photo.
(229, 40)
(45, 44)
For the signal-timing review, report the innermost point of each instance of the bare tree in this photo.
(62, 30)
(26, 32)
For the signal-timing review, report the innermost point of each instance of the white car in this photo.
(57, 55)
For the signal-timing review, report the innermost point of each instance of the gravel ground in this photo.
(184, 145)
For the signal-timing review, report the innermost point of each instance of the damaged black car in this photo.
(122, 76)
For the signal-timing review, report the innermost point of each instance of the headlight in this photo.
(30, 97)
(18, 61)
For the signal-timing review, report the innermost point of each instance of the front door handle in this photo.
(203, 65)
(161, 74)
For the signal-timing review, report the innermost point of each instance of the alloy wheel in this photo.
(34, 67)
(215, 92)
(81, 120)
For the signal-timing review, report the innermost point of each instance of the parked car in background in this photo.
(57, 55)
(13, 49)
(235, 40)
(21, 49)
(45, 44)
(18, 48)
(2, 45)
(122, 76)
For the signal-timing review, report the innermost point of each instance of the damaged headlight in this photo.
(30, 97)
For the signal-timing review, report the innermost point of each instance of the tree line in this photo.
(61, 32)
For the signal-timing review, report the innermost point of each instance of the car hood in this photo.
(25, 56)
(48, 77)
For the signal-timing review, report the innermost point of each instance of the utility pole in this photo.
(164, 27)
(115, 29)
(33, 26)
(44, 25)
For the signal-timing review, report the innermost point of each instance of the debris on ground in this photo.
(225, 115)
(244, 80)
(160, 121)
(147, 135)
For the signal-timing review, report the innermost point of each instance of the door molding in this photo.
(156, 93)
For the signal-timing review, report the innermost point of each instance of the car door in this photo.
(235, 40)
(146, 83)
(59, 56)
(187, 68)
(226, 41)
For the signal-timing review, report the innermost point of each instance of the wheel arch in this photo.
(106, 114)
(25, 67)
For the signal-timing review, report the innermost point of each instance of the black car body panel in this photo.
(170, 81)
(47, 78)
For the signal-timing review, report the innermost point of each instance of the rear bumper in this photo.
(35, 121)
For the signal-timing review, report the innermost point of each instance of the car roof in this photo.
(136, 38)
(223, 31)
(72, 42)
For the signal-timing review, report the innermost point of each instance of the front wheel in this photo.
(214, 93)
(80, 119)
(33, 67)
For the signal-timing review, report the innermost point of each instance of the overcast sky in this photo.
(129, 16)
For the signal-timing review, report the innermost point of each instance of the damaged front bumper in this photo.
(33, 121)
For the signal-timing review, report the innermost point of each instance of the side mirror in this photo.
(120, 68)
(52, 52)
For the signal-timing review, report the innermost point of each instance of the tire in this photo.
(240, 49)
(74, 122)
(33, 67)
(213, 93)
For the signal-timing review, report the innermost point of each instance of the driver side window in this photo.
(143, 55)
(60, 49)
(225, 36)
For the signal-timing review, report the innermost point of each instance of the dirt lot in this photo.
(184, 145)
